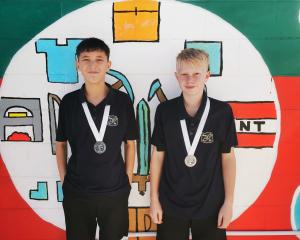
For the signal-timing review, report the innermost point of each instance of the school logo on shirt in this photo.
(112, 121)
(207, 137)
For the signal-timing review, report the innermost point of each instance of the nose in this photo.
(92, 65)
(189, 78)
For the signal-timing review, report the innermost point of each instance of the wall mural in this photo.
(144, 37)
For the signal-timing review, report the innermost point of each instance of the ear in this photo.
(77, 64)
(108, 65)
(207, 75)
(176, 75)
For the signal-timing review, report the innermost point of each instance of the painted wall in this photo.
(254, 48)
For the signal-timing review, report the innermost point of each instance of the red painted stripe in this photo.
(255, 140)
(253, 110)
(1, 81)
(271, 211)
(16, 212)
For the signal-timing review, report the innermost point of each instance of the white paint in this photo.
(245, 78)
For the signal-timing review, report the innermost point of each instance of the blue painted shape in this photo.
(297, 211)
(41, 193)
(214, 49)
(154, 87)
(60, 59)
(124, 80)
(144, 141)
(60, 195)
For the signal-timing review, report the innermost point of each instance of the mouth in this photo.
(189, 87)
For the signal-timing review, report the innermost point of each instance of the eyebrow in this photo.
(87, 56)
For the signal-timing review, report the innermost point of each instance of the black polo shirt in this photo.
(193, 192)
(89, 173)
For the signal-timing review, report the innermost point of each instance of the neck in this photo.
(192, 100)
(95, 93)
(192, 103)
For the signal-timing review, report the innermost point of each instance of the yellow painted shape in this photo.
(139, 21)
(17, 114)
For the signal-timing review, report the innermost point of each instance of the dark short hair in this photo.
(92, 44)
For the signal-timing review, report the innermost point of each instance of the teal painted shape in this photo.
(60, 195)
(60, 59)
(120, 76)
(143, 113)
(296, 211)
(154, 87)
(41, 193)
(214, 49)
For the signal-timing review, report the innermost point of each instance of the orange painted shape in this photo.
(255, 140)
(132, 219)
(144, 220)
(251, 110)
(136, 21)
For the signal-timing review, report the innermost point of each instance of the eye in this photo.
(84, 59)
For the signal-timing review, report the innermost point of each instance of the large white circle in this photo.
(245, 78)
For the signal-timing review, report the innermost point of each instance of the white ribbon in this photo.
(191, 148)
(98, 135)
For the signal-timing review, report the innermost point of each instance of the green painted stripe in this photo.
(22, 20)
(271, 25)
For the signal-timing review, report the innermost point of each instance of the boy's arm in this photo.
(129, 148)
(61, 159)
(156, 164)
(229, 173)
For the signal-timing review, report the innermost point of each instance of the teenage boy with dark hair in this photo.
(95, 120)
(193, 167)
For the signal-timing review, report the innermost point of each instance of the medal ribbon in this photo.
(98, 135)
(191, 148)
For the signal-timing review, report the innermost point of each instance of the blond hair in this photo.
(193, 56)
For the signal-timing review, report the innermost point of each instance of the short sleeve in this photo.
(230, 133)
(61, 135)
(158, 135)
(131, 132)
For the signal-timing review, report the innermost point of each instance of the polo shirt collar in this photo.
(183, 113)
(108, 99)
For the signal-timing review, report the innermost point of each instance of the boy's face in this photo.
(93, 66)
(192, 77)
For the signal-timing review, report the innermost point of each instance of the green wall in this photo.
(272, 26)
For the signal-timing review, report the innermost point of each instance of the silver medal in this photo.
(99, 147)
(190, 160)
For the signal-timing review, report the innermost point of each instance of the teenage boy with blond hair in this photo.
(193, 165)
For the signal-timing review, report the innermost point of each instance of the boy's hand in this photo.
(156, 211)
(225, 215)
